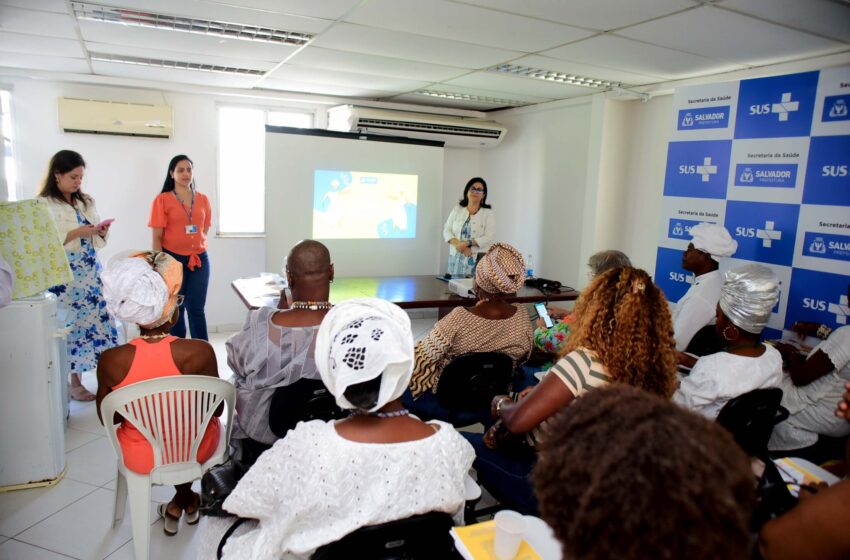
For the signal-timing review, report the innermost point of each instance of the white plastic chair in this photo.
(167, 411)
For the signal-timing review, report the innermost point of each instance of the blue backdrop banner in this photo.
(769, 158)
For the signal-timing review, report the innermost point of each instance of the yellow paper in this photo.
(478, 540)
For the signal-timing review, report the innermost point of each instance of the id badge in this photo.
(191, 228)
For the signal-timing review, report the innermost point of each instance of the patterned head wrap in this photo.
(361, 339)
(748, 295)
(142, 288)
(501, 270)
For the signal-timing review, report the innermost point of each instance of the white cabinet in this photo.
(32, 408)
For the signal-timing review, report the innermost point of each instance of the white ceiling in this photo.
(390, 49)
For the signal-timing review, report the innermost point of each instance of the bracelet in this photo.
(499, 406)
(823, 332)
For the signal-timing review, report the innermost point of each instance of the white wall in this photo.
(124, 174)
(536, 180)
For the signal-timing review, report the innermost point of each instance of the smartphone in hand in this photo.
(544, 314)
(105, 223)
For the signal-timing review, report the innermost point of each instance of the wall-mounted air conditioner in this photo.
(114, 117)
(454, 131)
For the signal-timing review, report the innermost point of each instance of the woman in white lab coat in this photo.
(469, 229)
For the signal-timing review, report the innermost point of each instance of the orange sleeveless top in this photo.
(153, 361)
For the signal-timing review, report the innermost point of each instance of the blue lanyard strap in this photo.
(191, 206)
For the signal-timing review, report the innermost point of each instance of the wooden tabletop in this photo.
(408, 292)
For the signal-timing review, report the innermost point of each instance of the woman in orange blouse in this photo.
(180, 218)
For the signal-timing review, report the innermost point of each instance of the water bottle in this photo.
(529, 266)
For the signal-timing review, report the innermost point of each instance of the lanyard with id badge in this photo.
(190, 228)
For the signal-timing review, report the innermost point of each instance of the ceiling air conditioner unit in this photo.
(114, 117)
(456, 132)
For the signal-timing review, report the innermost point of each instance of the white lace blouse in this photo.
(314, 487)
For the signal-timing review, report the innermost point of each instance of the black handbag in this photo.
(217, 484)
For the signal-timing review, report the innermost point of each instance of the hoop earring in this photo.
(726, 336)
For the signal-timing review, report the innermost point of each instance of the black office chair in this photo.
(470, 381)
(750, 418)
(421, 537)
(302, 401)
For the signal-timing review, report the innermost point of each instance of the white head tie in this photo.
(361, 339)
(714, 240)
(134, 292)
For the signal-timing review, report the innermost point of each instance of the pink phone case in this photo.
(106, 222)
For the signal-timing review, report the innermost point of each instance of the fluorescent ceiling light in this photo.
(123, 16)
(468, 97)
(554, 76)
(179, 65)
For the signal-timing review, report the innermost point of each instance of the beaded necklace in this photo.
(392, 414)
(153, 336)
(311, 305)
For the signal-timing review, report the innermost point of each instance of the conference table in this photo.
(408, 292)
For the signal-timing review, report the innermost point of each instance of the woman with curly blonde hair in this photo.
(622, 333)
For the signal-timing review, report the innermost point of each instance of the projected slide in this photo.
(364, 205)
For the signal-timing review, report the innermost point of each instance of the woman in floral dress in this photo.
(82, 233)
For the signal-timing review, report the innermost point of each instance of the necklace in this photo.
(393, 414)
(311, 305)
(153, 336)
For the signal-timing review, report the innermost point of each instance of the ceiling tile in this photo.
(722, 34)
(642, 58)
(383, 42)
(596, 14)
(29, 44)
(227, 12)
(825, 17)
(52, 63)
(57, 6)
(509, 86)
(344, 61)
(173, 75)
(179, 42)
(326, 9)
(324, 89)
(163, 54)
(36, 23)
(586, 70)
(345, 79)
(469, 24)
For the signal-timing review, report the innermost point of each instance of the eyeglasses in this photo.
(180, 300)
(476, 189)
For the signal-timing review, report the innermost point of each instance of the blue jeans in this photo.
(506, 477)
(194, 290)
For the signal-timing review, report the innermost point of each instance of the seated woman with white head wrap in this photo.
(747, 297)
(491, 326)
(143, 289)
(324, 480)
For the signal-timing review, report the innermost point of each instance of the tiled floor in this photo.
(73, 518)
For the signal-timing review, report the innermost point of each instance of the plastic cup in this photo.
(510, 527)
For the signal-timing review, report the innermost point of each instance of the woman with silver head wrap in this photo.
(143, 289)
(747, 298)
(327, 479)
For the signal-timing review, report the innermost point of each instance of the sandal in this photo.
(192, 517)
(81, 394)
(170, 524)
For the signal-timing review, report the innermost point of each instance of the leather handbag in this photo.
(217, 484)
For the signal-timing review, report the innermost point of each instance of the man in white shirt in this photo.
(698, 306)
